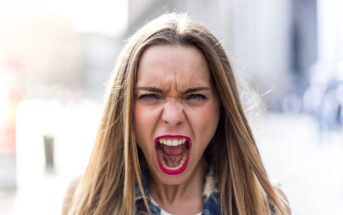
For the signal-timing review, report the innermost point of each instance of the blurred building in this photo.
(44, 58)
(99, 54)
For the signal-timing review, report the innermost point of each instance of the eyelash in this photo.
(196, 97)
(189, 97)
(149, 96)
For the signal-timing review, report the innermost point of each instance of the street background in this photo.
(56, 57)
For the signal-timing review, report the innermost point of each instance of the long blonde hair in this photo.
(108, 184)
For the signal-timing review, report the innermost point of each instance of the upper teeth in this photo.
(172, 142)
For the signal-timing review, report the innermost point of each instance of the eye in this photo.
(196, 97)
(148, 97)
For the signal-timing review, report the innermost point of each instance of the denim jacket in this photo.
(210, 197)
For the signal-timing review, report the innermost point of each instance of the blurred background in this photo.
(56, 56)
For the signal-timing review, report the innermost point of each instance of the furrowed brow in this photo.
(150, 89)
(196, 89)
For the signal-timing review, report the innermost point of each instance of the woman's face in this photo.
(176, 110)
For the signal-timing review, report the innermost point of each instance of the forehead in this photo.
(173, 64)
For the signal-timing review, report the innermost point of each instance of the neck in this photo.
(171, 197)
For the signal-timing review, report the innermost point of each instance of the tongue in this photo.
(172, 161)
(172, 155)
(173, 150)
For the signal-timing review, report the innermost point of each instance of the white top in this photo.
(163, 212)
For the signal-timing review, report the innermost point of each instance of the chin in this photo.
(172, 180)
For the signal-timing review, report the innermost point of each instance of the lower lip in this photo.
(183, 167)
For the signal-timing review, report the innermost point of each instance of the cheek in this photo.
(143, 126)
(204, 123)
(141, 119)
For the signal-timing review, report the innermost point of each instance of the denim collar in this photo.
(210, 196)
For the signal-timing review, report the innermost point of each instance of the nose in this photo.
(173, 113)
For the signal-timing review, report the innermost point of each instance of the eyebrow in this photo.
(151, 89)
(196, 89)
(189, 90)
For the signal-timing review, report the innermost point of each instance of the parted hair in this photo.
(109, 181)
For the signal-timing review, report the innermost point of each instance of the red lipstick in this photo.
(161, 159)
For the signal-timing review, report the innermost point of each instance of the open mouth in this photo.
(172, 153)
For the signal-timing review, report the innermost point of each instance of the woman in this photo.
(173, 137)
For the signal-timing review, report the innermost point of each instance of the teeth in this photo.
(172, 142)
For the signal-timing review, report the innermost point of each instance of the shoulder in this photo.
(68, 197)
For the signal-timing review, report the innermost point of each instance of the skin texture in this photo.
(166, 105)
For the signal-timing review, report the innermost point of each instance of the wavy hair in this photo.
(108, 183)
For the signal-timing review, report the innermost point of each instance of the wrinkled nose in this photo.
(173, 113)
